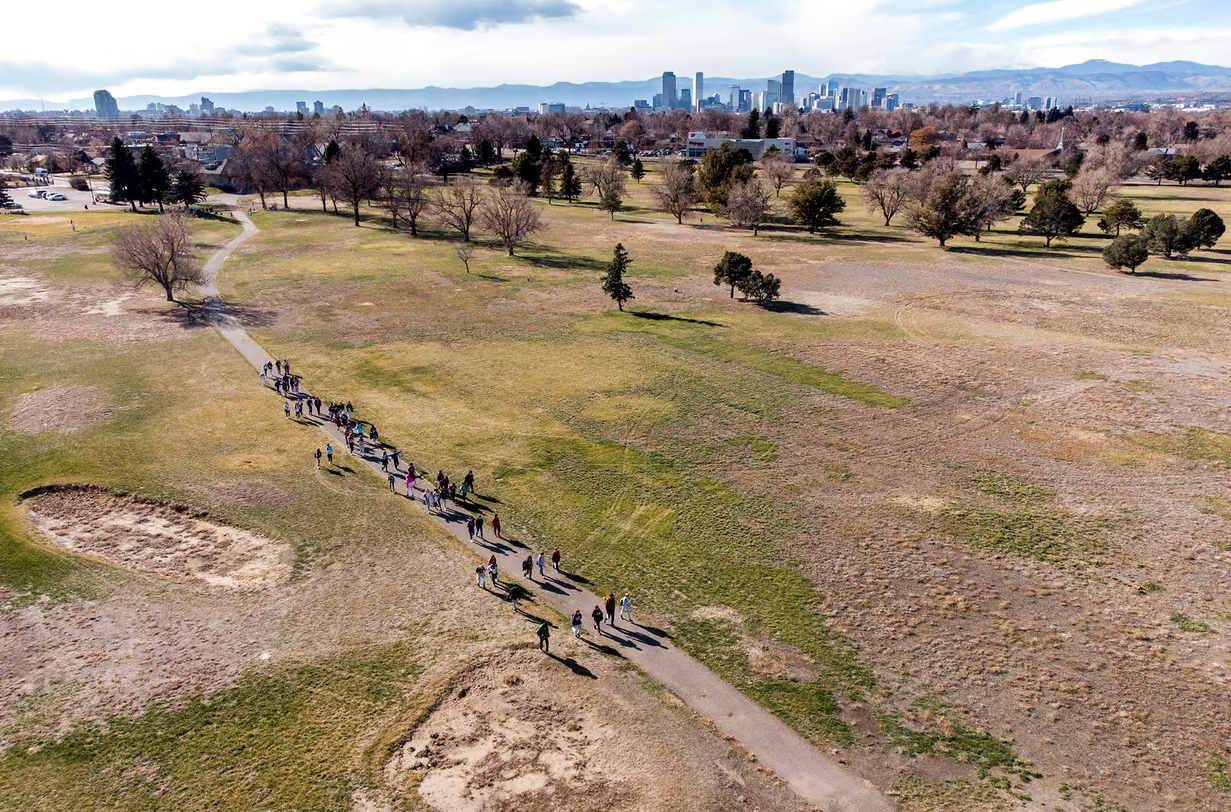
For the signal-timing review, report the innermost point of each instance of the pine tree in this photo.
(1208, 226)
(1054, 216)
(638, 170)
(121, 171)
(772, 126)
(187, 189)
(732, 270)
(1126, 251)
(611, 202)
(570, 184)
(153, 178)
(613, 283)
(752, 128)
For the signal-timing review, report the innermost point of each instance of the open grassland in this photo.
(131, 690)
(925, 476)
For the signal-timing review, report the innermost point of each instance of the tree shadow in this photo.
(652, 316)
(195, 314)
(797, 308)
(564, 262)
(1209, 259)
(1179, 276)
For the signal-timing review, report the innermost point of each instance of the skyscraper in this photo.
(772, 94)
(698, 90)
(733, 101)
(105, 105)
(787, 95)
(207, 106)
(671, 99)
(318, 108)
(878, 96)
(301, 107)
(685, 99)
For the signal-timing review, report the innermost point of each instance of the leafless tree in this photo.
(248, 166)
(676, 190)
(1026, 172)
(990, 200)
(748, 204)
(778, 169)
(604, 178)
(1092, 189)
(887, 191)
(508, 213)
(457, 205)
(464, 252)
(355, 175)
(158, 251)
(404, 192)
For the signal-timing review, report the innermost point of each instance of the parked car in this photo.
(56, 196)
(13, 205)
(37, 193)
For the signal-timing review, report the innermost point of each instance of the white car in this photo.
(36, 193)
(56, 196)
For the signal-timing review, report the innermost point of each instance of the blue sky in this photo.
(229, 45)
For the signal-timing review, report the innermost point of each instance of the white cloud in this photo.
(1059, 10)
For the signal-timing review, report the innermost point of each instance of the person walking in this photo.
(493, 571)
(496, 525)
(515, 595)
(555, 559)
(286, 409)
(609, 603)
(394, 457)
(478, 526)
(329, 453)
(470, 527)
(468, 481)
(318, 458)
(577, 624)
(527, 568)
(480, 576)
(540, 561)
(410, 485)
(384, 460)
(626, 608)
(392, 483)
(597, 615)
(262, 377)
(544, 635)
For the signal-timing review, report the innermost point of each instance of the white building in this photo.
(699, 144)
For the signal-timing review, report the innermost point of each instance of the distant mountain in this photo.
(1093, 80)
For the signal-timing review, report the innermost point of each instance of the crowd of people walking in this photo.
(364, 441)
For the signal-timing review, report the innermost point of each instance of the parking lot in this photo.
(76, 201)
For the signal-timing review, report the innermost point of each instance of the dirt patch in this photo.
(157, 539)
(22, 290)
(522, 732)
(64, 408)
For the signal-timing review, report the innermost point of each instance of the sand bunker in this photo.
(66, 408)
(158, 539)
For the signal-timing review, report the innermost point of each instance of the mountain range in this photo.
(1094, 80)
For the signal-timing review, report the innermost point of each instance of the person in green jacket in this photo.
(544, 634)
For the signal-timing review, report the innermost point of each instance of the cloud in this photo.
(42, 79)
(465, 15)
(1059, 10)
(278, 38)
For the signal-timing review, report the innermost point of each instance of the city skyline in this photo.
(475, 43)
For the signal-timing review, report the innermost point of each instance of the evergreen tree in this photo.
(528, 168)
(909, 160)
(1218, 169)
(719, 170)
(732, 270)
(534, 148)
(752, 127)
(1127, 251)
(1140, 142)
(1054, 216)
(332, 151)
(187, 189)
(465, 160)
(611, 202)
(638, 170)
(1168, 235)
(946, 211)
(867, 141)
(1208, 226)
(761, 288)
(570, 184)
(5, 200)
(815, 204)
(1121, 214)
(613, 282)
(153, 178)
(121, 172)
(547, 178)
(772, 125)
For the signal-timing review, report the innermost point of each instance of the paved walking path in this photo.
(814, 777)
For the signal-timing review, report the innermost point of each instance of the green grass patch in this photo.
(281, 739)
(1013, 488)
(1149, 588)
(1193, 443)
(1218, 774)
(1185, 624)
(917, 794)
(985, 752)
(1091, 376)
(762, 449)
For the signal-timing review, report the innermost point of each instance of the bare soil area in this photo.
(62, 408)
(157, 539)
(518, 732)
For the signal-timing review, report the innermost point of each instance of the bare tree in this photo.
(676, 191)
(248, 165)
(457, 205)
(748, 204)
(777, 168)
(887, 191)
(990, 200)
(464, 252)
(605, 178)
(158, 251)
(1092, 189)
(1026, 172)
(508, 213)
(355, 174)
(405, 192)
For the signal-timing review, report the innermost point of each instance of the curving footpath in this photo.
(814, 777)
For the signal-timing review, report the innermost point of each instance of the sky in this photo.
(174, 49)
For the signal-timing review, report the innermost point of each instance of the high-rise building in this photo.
(1017, 97)
(771, 96)
(685, 99)
(105, 105)
(549, 108)
(670, 98)
(207, 107)
(787, 94)
(830, 88)
(733, 99)
(318, 108)
(698, 89)
(878, 96)
(301, 107)
(891, 102)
